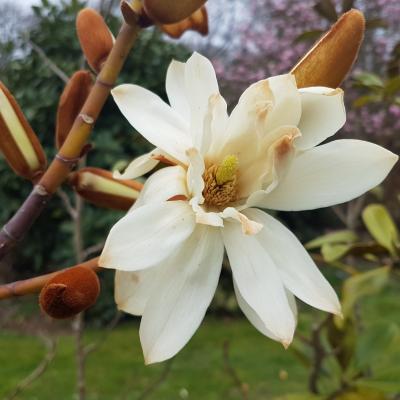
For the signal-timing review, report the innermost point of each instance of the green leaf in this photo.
(392, 86)
(299, 396)
(343, 236)
(358, 286)
(367, 99)
(376, 343)
(369, 80)
(309, 36)
(386, 379)
(347, 5)
(333, 252)
(380, 225)
(326, 9)
(375, 23)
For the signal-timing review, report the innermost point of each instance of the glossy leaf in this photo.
(381, 226)
(333, 252)
(342, 236)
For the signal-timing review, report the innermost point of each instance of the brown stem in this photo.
(319, 355)
(35, 285)
(73, 146)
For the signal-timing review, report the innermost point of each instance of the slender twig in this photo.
(51, 346)
(89, 251)
(91, 347)
(73, 146)
(158, 382)
(35, 285)
(242, 386)
(67, 203)
(319, 355)
(54, 67)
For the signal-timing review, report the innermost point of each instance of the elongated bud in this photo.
(71, 101)
(70, 292)
(331, 58)
(18, 142)
(171, 11)
(94, 36)
(98, 186)
(198, 22)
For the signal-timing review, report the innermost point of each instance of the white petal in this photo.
(286, 102)
(299, 273)
(206, 217)
(147, 236)
(154, 119)
(133, 289)
(329, 174)
(139, 166)
(195, 182)
(322, 115)
(259, 282)
(249, 227)
(176, 89)
(255, 319)
(184, 291)
(201, 83)
(163, 185)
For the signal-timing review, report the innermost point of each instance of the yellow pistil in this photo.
(226, 171)
(220, 182)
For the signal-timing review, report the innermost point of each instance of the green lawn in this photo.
(116, 370)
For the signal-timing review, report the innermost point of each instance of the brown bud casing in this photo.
(18, 142)
(98, 186)
(170, 12)
(331, 58)
(198, 22)
(94, 36)
(71, 101)
(69, 292)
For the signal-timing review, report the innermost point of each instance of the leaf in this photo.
(333, 252)
(309, 36)
(369, 80)
(376, 343)
(347, 5)
(299, 396)
(380, 225)
(326, 9)
(367, 99)
(385, 379)
(362, 394)
(392, 86)
(358, 286)
(375, 23)
(342, 236)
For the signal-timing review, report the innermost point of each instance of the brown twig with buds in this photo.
(74, 144)
(35, 285)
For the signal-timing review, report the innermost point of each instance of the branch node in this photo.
(104, 83)
(87, 119)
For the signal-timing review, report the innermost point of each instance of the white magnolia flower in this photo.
(264, 154)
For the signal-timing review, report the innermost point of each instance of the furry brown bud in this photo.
(98, 186)
(94, 36)
(171, 11)
(70, 292)
(18, 142)
(198, 22)
(71, 101)
(331, 58)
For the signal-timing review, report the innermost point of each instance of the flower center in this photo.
(220, 182)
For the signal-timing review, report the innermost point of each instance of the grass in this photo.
(116, 371)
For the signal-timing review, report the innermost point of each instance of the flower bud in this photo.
(70, 292)
(172, 11)
(198, 21)
(332, 57)
(100, 188)
(94, 36)
(71, 101)
(18, 142)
